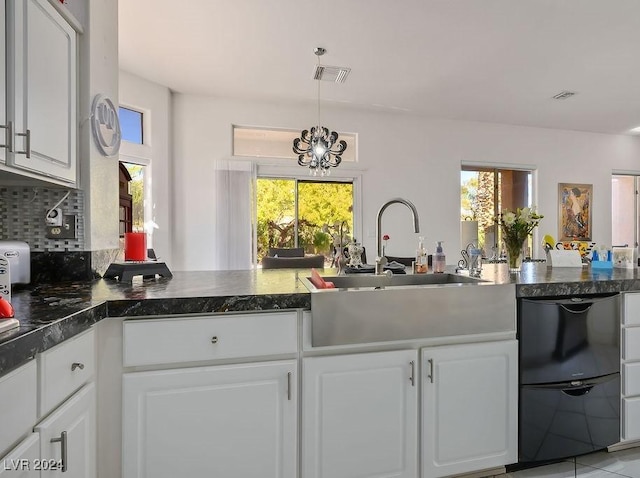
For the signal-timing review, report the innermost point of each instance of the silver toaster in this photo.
(18, 254)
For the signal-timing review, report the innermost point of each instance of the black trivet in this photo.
(126, 271)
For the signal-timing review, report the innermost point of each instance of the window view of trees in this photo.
(320, 207)
(485, 193)
(478, 203)
(136, 189)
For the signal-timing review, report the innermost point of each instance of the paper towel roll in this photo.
(468, 232)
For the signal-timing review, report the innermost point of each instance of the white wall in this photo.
(400, 155)
(154, 101)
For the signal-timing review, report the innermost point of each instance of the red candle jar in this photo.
(135, 246)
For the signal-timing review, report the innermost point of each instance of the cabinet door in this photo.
(24, 460)
(226, 421)
(3, 89)
(360, 415)
(43, 98)
(469, 416)
(71, 428)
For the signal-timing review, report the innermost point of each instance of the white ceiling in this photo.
(499, 61)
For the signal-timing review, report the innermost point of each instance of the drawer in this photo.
(193, 339)
(631, 418)
(631, 379)
(631, 341)
(18, 392)
(631, 314)
(64, 369)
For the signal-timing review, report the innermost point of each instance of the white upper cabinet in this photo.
(4, 132)
(41, 91)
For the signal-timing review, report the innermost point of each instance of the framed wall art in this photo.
(574, 211)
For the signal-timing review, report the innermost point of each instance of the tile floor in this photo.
(620, 464)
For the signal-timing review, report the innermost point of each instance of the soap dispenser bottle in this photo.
(422, 264)
(439, 261)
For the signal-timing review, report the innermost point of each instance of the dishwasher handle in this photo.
(577, 392)
(577, 308)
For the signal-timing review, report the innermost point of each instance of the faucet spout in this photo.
(414, 212)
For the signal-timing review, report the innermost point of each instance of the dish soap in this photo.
(439, 261)
(422, 264)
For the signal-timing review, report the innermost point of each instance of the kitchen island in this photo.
(242, 340)
(52, 313)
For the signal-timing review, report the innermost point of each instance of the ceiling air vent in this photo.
(563, 95)
(337, 74)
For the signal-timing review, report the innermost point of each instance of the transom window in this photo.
(131, 125)
(278, 143)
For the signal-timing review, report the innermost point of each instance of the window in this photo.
(278, 143)
(131, 125)
(484, 194)
(126, 206)
(132, 218)
(302, 213)
(624, 210)
(136, 190)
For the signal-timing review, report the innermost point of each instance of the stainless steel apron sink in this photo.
(367, 308)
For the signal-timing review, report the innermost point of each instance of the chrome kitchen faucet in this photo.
(380, 260)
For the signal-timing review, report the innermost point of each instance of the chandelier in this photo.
(318, 148)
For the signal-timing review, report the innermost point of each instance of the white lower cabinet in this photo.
(24, 460)
(218, 421)
(360, 415)
(469, 414)
(68, 437)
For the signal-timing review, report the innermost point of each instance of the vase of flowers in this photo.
(516, 227)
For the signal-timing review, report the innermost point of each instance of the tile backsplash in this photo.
(22, 214)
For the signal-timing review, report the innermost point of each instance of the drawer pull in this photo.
(214, 339)
(76, 365)
(62, 439)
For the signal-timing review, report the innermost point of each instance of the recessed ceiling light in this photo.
(635, 130)
(563, 95)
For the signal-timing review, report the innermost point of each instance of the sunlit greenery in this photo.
(321, 205)
(136, 189)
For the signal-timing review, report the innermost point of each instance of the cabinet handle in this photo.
(430, 375)
(288, 385)
(27, 149)
(8, 136)
(412, 377)
(214, 339)
(63, 449)
(76, 365)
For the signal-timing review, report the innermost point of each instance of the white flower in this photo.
(525, 215)
(509, 218)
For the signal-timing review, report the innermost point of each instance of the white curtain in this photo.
(234, 186)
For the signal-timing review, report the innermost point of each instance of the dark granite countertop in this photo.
(52, 313)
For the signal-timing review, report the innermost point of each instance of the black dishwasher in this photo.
(569, 376)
